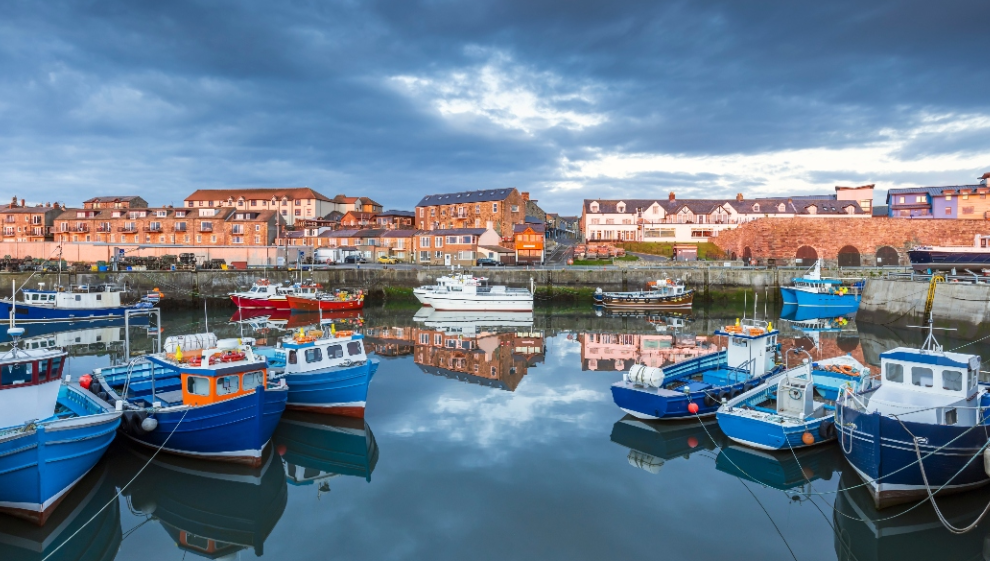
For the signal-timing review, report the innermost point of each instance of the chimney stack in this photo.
(739, 197)
(525, 195)
(671, 196)
(13, 202)
(23, 202)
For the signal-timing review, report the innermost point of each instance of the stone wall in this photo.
(783, 238)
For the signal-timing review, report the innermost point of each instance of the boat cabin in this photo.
(934, 387)
(205, 376)
(77, 297)
(29, 384)
(319, 350)
(262, 288)
(752, 345)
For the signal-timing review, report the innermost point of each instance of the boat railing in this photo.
(971, 278)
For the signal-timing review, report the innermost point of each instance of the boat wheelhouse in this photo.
(795, 409)
(264, 295)
(51, 433)
(703, 382)
(217, 391)
(929, 411)
(660, 294)
(327, 371)
(79, 303)
(834, 296)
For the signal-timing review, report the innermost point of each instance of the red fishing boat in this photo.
(326, 302)
(264, 295)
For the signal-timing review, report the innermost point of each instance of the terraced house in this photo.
(955, 202)
(291, 203)
(697, 220)
(166, 226)
(22, 223)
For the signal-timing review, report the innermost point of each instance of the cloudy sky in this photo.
(567, 100)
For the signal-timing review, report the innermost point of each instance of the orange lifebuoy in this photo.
(847, 370)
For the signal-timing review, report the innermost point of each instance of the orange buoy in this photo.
(84, 381)
(692, 441)
(693, 408)
(808, 438)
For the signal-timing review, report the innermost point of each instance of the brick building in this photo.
(356, 219)
(345, 204)
(453, 246)
(292, 203)
(21, 223)
(395, 219)
(879, 241)
(119, 201)
(166, 226)
(495, 209)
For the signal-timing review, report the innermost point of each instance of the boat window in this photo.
(314, 355)
(78, 298)
(354, 348)
(228, 385)
(34, 296)
(99, 297)
(292, 357)
(19, 373)
(895, 372)
(921, 376)
(335, 351)
(254, 379)
(972, 379)
(198, 385)
(951, 416)
(952, 380)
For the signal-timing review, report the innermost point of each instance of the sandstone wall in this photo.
(781, 238)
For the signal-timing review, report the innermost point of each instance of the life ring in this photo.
(826, 430)
(846, 369)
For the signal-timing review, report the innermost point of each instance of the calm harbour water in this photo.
(497, 443)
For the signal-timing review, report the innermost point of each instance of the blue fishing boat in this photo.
(210, 509)
(85, 527)
(201, 397)
(327, 371)
(51, 433)
(833, 296)
(928, 412)
(796, 408)
(703, 382)
(316, 448)
(79, 303)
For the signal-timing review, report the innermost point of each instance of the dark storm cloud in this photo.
(163, 98)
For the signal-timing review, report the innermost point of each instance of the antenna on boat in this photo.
(931, 344)
(206, 317)
(13, 330)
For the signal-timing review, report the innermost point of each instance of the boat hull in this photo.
(765, 434)
(29, 313)
(235, 430)
(833, 304)
(501, 303)
(301, 304)
(274, 303)
(335, 391)
(923, 260)
(40, 465)
(883, 454)
(643, 301)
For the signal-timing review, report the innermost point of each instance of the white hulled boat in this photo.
(469, 293)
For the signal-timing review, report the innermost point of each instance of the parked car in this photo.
(488, 262)
(387, 260)
(354, 259)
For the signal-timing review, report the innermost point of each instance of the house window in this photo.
(424, 255)
(451, 239)
(900, 199)
(948, 197)
(438, 254)
(237, 239)
(948, 210)
(424, 241)
(438, 241)
(494, 207)
(919, 199)
(237, 229)
(515, 208)
(213, 239)
(257, 240)
(298, 211)
(756, 207)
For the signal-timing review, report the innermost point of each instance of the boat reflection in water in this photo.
(782, 470)
(494, 349)
(23, 541)
(211, 509)
(864, 534)
(653, 443)
(317, 448)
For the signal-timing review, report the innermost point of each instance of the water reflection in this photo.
(618, 352)
(653, 443)
(210, 509)
(783, 471)
(899, 533)
(99, 541)
(316, 448)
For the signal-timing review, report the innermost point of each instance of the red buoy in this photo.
(281, 449)
(84, 381)
(692, 441)
(693, 408)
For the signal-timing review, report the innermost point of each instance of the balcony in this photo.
(153, 229)
(127, 229)
(104, 229)
(79, 228)
(206, 229)
(181, 228)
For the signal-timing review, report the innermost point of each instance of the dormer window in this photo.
(621, 207)
(756, 207)
(812, 209)
(593, 206)
(781, 207)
